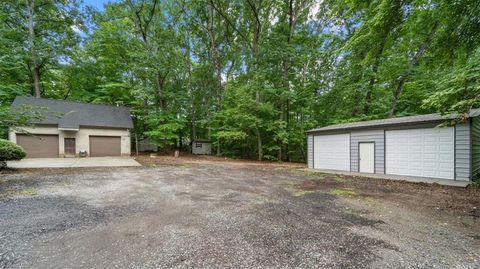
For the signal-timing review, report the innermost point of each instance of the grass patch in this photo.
(17, 192)
(316, 175)
(337, 178)
(185, 165)
(308, 173)
(344, 192)
(299, 193)
(348, 210)
(296, 190)
(369, 201)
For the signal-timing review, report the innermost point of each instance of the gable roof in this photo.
(72, 115)
(393, 121)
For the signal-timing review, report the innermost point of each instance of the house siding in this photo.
(376, 136)
(462, 151)
(310, 151)
(81, 137)
(475, 148)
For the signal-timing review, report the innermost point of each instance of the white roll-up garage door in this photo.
(421, 152)
(331, 152)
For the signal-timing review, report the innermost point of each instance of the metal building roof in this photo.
(393, 121)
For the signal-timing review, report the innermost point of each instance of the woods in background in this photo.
(251, 75)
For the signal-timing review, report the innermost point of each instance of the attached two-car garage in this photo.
(47, 145)
(72, 129)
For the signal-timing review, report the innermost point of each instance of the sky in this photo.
(98, 4)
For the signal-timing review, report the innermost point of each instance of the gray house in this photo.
(69, 129)
(407, 146)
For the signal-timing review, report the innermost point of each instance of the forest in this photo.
(251, 75)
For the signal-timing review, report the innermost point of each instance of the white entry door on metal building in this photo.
(367, 157)
(331, 152)
(427, 152)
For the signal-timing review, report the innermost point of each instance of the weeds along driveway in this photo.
(221, 215)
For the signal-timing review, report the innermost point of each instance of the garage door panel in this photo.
(429, 173)
(428, 148)
(444, 139)
(38, 145)
(103, 146)
(425, 152)
(332, 152)
(446, 158)
(444, 147)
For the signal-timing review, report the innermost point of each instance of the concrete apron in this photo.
(73, 162)
(446, 182)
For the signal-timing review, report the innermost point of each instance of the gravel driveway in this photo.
(211, 216)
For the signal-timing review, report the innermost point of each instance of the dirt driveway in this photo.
(231, 214)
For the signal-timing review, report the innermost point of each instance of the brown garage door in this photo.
(39, 146)
(105, 146)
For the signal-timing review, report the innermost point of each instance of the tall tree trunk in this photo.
(33, 49)
(255, 53)
(36, 80)
(215, 60)
(371, 83)
(259, 143)
(143, 24)
(257, 130)
(189, 88)
(413, 63)
(160, 81)
(284, 115)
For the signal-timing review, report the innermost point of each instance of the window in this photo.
(198, 145)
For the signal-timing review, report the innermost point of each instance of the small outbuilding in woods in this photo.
(417, 146)
(202, 147)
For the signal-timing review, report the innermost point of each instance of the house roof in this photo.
(393, 121)
(70, 115)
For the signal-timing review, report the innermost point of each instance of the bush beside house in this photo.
(10, 151)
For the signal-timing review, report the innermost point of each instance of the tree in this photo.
(251, 75)
(43, 34)
(458, 89)
(22, 116)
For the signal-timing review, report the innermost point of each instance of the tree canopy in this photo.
(252, 75)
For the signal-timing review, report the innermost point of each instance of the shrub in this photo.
(10, 151)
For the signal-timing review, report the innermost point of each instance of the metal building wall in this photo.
(376, 136)
(463, 152)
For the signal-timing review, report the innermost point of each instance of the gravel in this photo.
(211, 216)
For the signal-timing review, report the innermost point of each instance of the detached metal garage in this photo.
(408, 146)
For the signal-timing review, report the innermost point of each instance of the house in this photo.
(202, 147)
(69, 129)
(413, 146)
